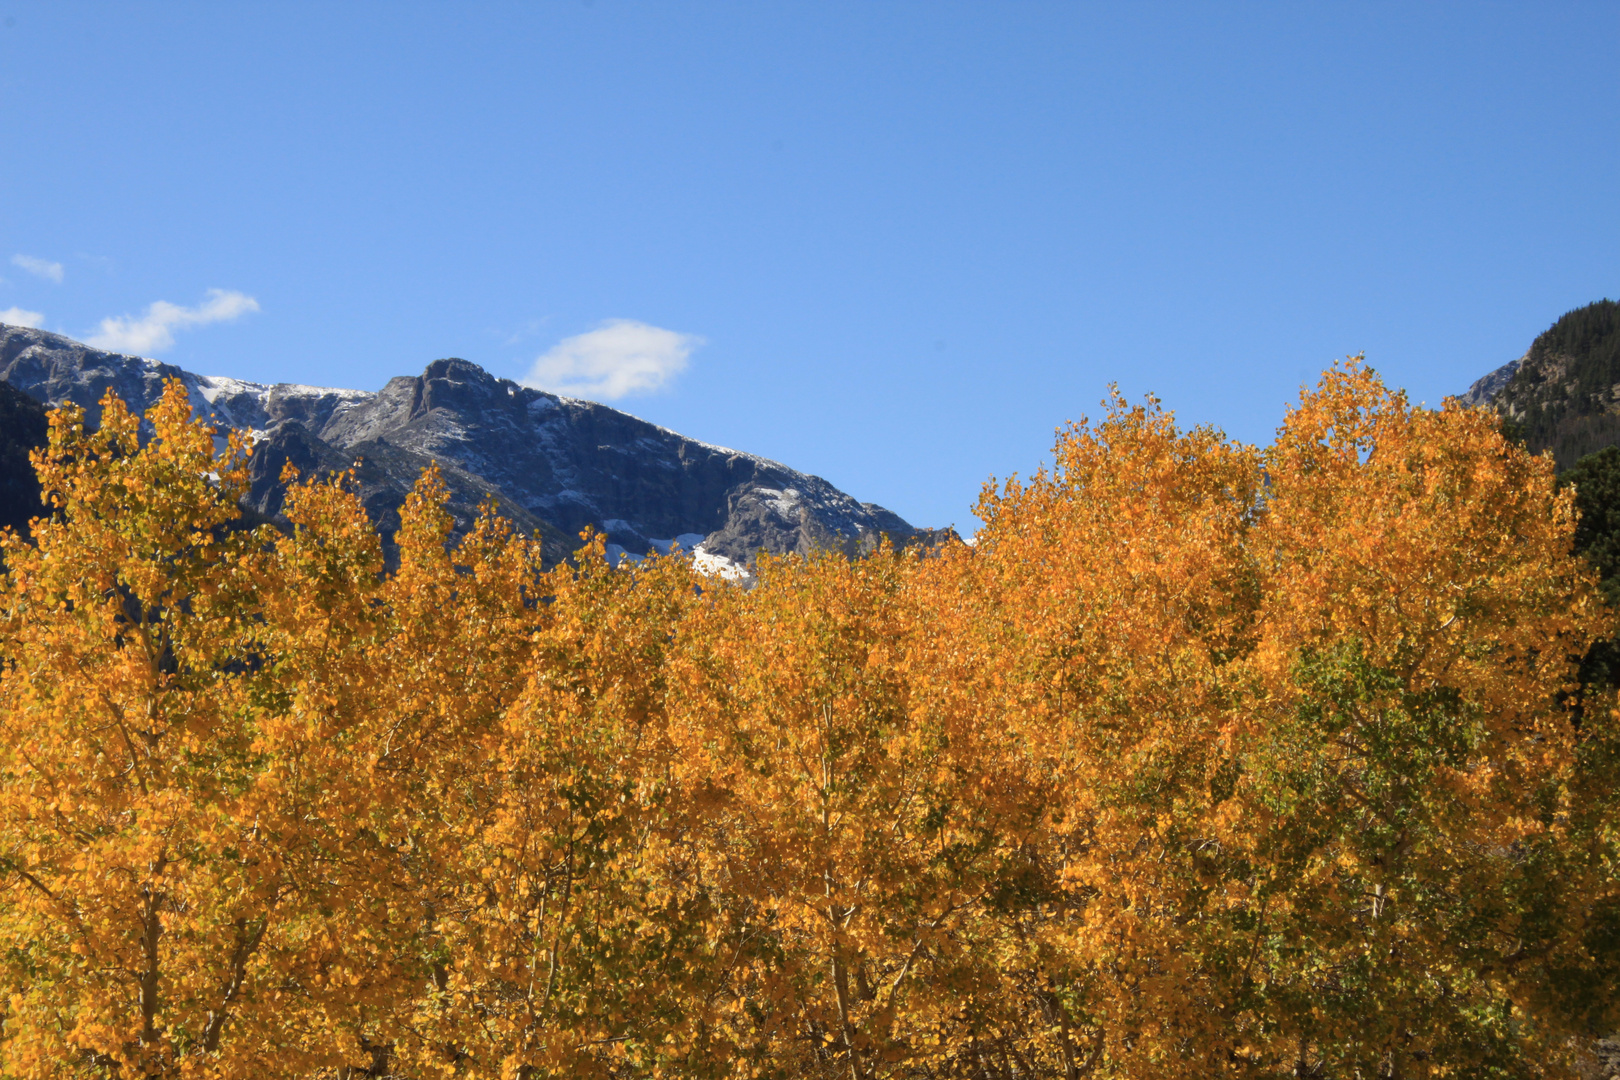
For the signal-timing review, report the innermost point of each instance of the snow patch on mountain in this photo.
(706, 562)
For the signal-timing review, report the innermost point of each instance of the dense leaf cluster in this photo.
(1203, 761)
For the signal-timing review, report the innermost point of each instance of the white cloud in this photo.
(617, 358)
(16, 316)
(39, 267)
(154, 331)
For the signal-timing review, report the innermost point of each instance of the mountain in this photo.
(553, 464)
(1483, 391)
(1564, 393)
(22, 428)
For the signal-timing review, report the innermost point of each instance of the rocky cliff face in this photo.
(553, 464)
(1485, 389)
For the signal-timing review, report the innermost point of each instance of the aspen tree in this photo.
(1204, 760)
(576, 941)
(138, 883)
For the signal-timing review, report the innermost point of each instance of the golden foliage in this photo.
(1204, 760)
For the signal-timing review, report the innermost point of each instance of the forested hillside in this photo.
(1205, 760)
(1565, 394)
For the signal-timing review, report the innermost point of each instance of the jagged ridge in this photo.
(554, 464)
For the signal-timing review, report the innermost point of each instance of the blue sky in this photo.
(894, 244)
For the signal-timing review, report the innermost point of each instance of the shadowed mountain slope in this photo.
(22, 428)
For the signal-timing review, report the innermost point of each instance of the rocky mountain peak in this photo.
(555, 465)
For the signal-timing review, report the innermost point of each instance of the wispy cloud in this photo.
(154, 331)
(619, 357)
(530, 329)
(44, 268)
(16, 316)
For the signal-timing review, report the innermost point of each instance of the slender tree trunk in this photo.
(151, 929)
(841, 987)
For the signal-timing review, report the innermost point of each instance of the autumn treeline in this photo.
(1204, 761)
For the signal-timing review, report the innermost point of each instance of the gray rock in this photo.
(1484, 390)
(554, 464)
(383, 476)
(56, 370)
(1601, 1060)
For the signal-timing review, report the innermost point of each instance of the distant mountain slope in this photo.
(22, 428)
(554, 464)
(1564, 393)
